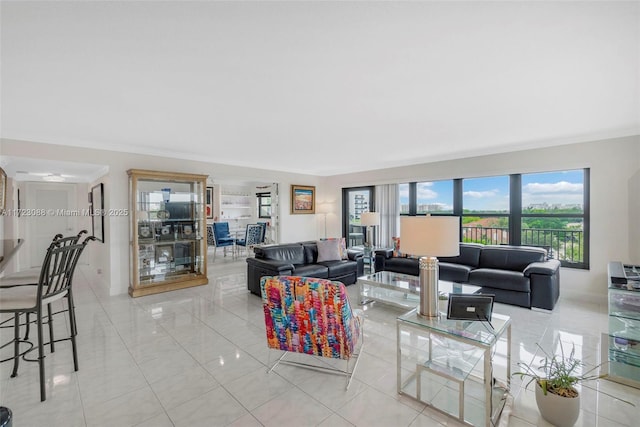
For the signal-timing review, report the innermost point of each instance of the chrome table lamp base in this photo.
(428, 287)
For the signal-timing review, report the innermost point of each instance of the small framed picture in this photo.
(164, 254)
(188, 231)
(303, 199)
(166, 232)
(147, 256)
(208, 206)
(145, 231)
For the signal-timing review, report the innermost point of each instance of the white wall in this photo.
(615, 175)
(293, 227)
(14, 226)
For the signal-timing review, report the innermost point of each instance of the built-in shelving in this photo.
(237, 206)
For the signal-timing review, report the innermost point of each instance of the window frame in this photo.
(260, 197)
(516, 213)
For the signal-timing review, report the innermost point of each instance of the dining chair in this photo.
(211, 241)
(251, 238)
(223, 238)
(264, 231)
(54, 284)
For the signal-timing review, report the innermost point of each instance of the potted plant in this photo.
(555, 379)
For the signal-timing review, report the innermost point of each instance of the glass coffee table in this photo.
(403, 290)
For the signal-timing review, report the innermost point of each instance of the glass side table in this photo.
(369, 257)
(439, 365)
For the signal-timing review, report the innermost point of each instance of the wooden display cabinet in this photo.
(167, 231)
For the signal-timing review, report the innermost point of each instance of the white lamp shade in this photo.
(370, 218)
(430, 235)
(324, 208)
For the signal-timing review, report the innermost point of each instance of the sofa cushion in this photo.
(512, 258)
(338, 268)
(310, 252)
(500, 279)
(311, 270)
(403, 265)
(328, 250)
(293, 253)
(454, 272)
(469, 255)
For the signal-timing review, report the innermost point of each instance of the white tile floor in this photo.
(198, 357)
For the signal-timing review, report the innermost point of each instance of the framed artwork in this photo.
(164, 254)
(97, 211)
(145, 231)
(3, 190)
(187, 230)
(208, 206)
(166, 232)
(303, 199)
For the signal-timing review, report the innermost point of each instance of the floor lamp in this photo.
(429, 236)
(324, 209)
(370, 220)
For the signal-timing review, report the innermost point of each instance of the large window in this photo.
(403, 192)
(434, 197)
(355, 201)
(485, 210)
(553, 214)
(421, 198)
(549, 210)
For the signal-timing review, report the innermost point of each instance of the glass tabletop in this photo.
(485, 333)
(411, 284)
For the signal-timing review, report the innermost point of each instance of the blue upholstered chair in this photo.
(222, 238)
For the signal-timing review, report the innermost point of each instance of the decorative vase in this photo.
(558, 410)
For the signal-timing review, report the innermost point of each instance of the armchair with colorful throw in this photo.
(311, 316)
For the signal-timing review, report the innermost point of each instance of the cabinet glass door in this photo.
(168, 246)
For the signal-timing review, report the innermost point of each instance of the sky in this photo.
(492, 193)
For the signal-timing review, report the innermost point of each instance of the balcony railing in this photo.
(562, 244)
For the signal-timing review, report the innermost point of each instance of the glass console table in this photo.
(439, 365)
(621, 345)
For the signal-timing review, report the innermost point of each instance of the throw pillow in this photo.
(329, 250)
(343, 246)
(396, 248)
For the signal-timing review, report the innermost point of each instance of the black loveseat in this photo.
(300, 259)
(517, 275)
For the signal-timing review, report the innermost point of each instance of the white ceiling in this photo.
(319, 87)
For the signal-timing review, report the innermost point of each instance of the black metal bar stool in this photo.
(54, 283)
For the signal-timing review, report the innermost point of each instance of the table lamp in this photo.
(369, 220)
(429, 237)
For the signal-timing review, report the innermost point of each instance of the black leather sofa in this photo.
(517, 275)
(300, 259)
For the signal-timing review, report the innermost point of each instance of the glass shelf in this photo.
(621, 345)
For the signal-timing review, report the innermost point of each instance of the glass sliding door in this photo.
(355, 201)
